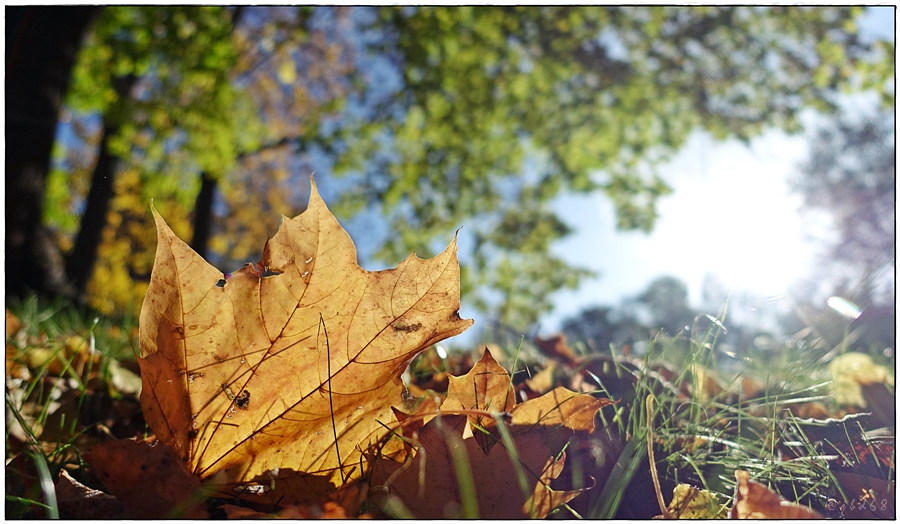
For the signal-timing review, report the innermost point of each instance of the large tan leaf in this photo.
(289, 368)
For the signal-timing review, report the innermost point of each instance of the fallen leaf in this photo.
(427, 482)
(288, 370)
(77, 501)
(431, 484)
(123, 380)
(691, 503)
(557, 348)
(881, 402)
(544, 380)
(12, 323)
(148, 478)
(485, 389)
(752, 500)
(850, 372)
(560, 407)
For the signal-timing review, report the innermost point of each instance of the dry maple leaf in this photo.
(485, 388)
(430, 485)
(148, 478)
(77, 501)
(511, 464)
(290, 367)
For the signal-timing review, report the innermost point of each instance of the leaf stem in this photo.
(337, 448)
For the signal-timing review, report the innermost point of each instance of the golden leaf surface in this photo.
(485, 387)
(292, 365)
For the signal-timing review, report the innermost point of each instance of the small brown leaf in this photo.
(560, 407)
(77, 501)
(148, 478)
(752, 500)
(485, 388)
(12, 324)
(557, 348)
(544, 380)
(429, 485)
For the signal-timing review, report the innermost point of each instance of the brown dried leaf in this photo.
(148, 478)
(544, 380)
(429, 484)
(752, 500)
(557, 348)
(425, 478)
(77, 501)
(329, 510)
(485, 389)
(560, 407)
(12, 324)
(292, 364)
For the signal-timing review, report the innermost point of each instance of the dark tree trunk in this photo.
(203, 214)
(42, 43)
(208, 184)
(80, 262)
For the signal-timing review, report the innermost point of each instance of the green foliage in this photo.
(498, 110)
(203, 101)
(604, 94)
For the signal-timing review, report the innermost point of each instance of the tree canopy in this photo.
(437, 117)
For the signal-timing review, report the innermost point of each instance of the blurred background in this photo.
(617, 172)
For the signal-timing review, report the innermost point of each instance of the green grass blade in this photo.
(46, 484)
(510, 446)
(607, 503)
(464, 478)
(29, 502)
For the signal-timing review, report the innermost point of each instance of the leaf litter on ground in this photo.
(278, 388)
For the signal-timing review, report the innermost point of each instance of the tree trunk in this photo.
(203, 214)
(208, 184)
(80, 262)
(42, 44)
